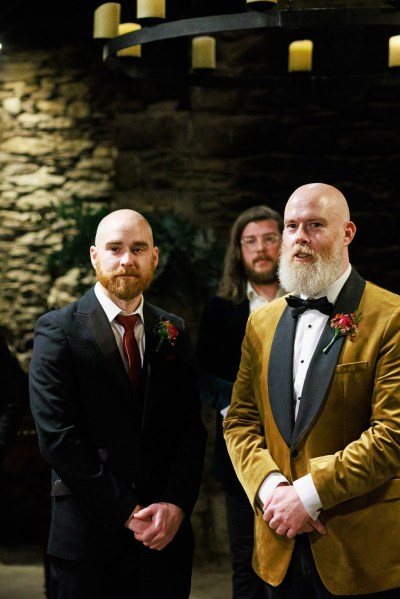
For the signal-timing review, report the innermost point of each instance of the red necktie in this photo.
(131, 348)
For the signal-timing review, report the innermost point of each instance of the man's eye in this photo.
(138, 250)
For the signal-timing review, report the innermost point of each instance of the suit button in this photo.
(295, 453)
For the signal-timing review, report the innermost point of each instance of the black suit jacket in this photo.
(220, 336)
(111, 448)
(13, 397)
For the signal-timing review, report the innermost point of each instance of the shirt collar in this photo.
(111, 309)
(252, 293)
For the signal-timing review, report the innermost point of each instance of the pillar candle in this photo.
(203, 52)
(394, 51)
(132, 50)
(300, 55)
(106, 20)
(150, 9)
(262, 1)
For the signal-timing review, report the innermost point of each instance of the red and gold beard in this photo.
(126, 283)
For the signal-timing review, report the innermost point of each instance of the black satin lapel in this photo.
(318, 379)
(322, 366)
(280, 375)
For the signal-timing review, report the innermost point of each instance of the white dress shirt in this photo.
(310, 325)
(112, 310)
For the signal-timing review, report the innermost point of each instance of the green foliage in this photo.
(79, 224)
(190, 256)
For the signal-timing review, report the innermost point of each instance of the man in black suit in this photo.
(126, 444)
(249, 281)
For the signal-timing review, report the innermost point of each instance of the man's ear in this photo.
(350, 231)
(93, 255)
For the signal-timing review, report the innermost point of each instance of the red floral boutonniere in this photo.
(344, 325)
(166, 332)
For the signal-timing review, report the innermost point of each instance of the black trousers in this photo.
(302, 580)
(240, 516)
(136, 573)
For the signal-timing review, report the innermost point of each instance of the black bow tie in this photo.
(299, 305)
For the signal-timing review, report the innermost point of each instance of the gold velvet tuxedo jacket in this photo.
(347, 435)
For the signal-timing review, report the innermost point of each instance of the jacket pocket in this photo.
(351, 367)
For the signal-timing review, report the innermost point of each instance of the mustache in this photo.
(263, 258)
(300, 249)
(125, 272)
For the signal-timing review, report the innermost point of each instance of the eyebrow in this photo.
(144, 244)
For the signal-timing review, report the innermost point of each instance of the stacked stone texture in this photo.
(50, 155)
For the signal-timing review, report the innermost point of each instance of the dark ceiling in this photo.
(42, 23)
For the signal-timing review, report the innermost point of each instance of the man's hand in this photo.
(156, 525)
(286, 514)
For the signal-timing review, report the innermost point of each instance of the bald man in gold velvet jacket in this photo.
(329, 438)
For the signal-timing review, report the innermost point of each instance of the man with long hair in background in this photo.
(249, 281)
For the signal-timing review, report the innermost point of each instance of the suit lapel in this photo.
(322, 366)
(151, 319)
(280, 375)
(94, 320)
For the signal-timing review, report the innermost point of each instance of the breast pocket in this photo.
(351, 367)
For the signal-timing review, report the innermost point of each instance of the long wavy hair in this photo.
(233, 284)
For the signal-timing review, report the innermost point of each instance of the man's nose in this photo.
(127, 257)
(301, 236)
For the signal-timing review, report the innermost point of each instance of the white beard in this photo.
(310, 279)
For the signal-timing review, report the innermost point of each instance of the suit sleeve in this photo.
(244, 426)
(64, 436)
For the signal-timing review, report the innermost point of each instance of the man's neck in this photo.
(268, 291)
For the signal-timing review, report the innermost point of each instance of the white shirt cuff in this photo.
(269, 485)
(308, 495)
(224, 411)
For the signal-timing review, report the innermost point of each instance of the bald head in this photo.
(123, 219)
(323, 197)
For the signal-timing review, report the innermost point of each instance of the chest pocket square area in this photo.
(351, 367)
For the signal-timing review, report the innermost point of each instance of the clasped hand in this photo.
(286, 514)
(156, 525)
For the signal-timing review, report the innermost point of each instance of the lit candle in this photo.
(150, 9)
(203, 52)
(135, 50)
(300, 55)
(106, 20)
(394, 51)
(262, 2)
